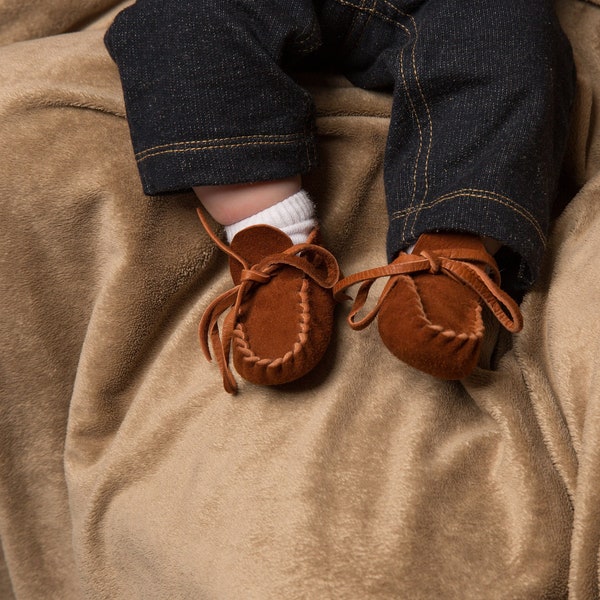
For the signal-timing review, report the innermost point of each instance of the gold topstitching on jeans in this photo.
(455, 193)
(482, 195)
(425, 104)
(485, 192)
(304, 38)
(421, 93)
(360, 9)
(212, 141)
(418, 123)
(354, 17)
(212, 147)
(429, 119)
(373, 11)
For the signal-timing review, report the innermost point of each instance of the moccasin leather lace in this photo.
(465, 265)
(312, 260)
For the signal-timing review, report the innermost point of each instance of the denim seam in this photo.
(414, 38)
(483, 195)
(208, 144)
(414, 210)
(361, 9)
(429, 120)
(307, 148)
(307, 36)
(213, 147)
(372, 10)
(309, 49)
(352, 27)
(467, 192)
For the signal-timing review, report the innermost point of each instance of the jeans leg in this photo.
(482, 93)
(207, 100)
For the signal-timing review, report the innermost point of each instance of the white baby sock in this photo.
(295, 216)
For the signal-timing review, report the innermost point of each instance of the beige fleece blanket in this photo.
(127, 472)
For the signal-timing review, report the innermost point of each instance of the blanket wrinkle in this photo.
(22, 20)
(127, 472)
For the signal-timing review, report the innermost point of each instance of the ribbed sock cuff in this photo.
(295, 216)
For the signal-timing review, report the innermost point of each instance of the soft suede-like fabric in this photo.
(126, 471)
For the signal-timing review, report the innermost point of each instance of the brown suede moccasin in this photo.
(430, 310)
(280, 310)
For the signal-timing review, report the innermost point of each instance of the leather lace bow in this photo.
(312, 260)
(462, 264)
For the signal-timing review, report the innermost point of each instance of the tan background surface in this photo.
(127, 472)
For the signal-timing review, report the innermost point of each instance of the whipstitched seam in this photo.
(240, 333)
(491, 196)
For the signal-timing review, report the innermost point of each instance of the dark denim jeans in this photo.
(482, 91)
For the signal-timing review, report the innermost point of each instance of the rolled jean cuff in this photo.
(486, 214)
(181, 165)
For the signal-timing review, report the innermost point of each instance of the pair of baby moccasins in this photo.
(275, 324)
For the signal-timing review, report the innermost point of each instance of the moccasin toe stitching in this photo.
(475, 324)
(301, 357)
(408, 332)
(276, 322)
(429, 313)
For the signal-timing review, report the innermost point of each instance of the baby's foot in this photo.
(430, 312)
(280, 311)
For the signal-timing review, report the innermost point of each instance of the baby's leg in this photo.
(482, 91)
(229, 204)
(482, 94)
(207, 100)
(211, 108)
(281, 203)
